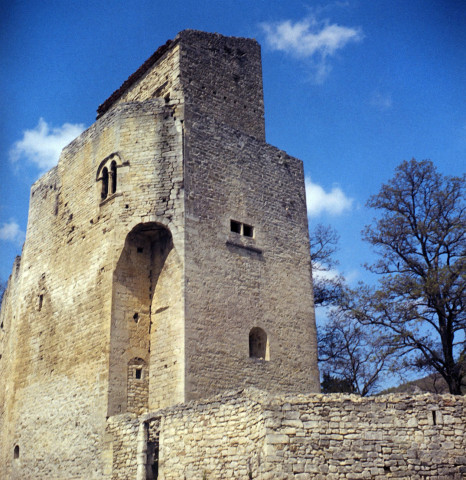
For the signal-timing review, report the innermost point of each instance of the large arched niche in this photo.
(147, 320)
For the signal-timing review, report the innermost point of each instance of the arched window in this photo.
(107, 174)
(104, 192)
(258, 344)
(113, 177)
(16, 452)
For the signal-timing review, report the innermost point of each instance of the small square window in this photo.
(248, 231)
(235, 226)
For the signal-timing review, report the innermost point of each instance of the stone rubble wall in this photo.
(348, 437)
(121, 446)
(212, 440)
(219, 438)
(254, 435)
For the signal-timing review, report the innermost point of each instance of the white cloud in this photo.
(319, 273)
(319, 201)
(43, 144)
(381, 101)
(11, 232)
(310, 39)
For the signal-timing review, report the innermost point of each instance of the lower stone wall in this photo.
(121, 446)
(253, 435)
(220, 439)
(349, 437)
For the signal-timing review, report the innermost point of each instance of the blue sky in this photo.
(351, 87)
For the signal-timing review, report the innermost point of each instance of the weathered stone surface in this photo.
(209, 438)
(168, 232)
(167, 261)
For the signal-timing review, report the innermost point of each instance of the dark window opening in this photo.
(140, 249)
(104, 191)
(248, 231)
(153, 460)
(235, 226)
(16, 452)
(113, 177)
(138, 373)
(386, 469)
(136, 317)
(434, 417)
(258, 344)
(41, 302)
(242, 228)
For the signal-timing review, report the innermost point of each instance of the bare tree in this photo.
(327, 286)
(421, 242)
(354, 358)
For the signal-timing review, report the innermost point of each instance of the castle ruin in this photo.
(160, 321)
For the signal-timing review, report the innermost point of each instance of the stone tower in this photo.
(166, 259)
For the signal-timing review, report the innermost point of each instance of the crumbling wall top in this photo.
(132, 79)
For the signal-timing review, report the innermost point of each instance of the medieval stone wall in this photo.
(167, 259)
(58, 382)
(345, 436)
(208, 74)
(251, 435)
(161, 81)
(222, 79)
(259, 281)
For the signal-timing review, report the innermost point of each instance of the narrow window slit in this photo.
(104, 191)
(113, 177)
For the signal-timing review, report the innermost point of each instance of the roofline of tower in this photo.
(147, 65)
(132, 79)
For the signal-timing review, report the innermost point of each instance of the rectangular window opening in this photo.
(248, 230)
(138, 373)
(235, 226)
